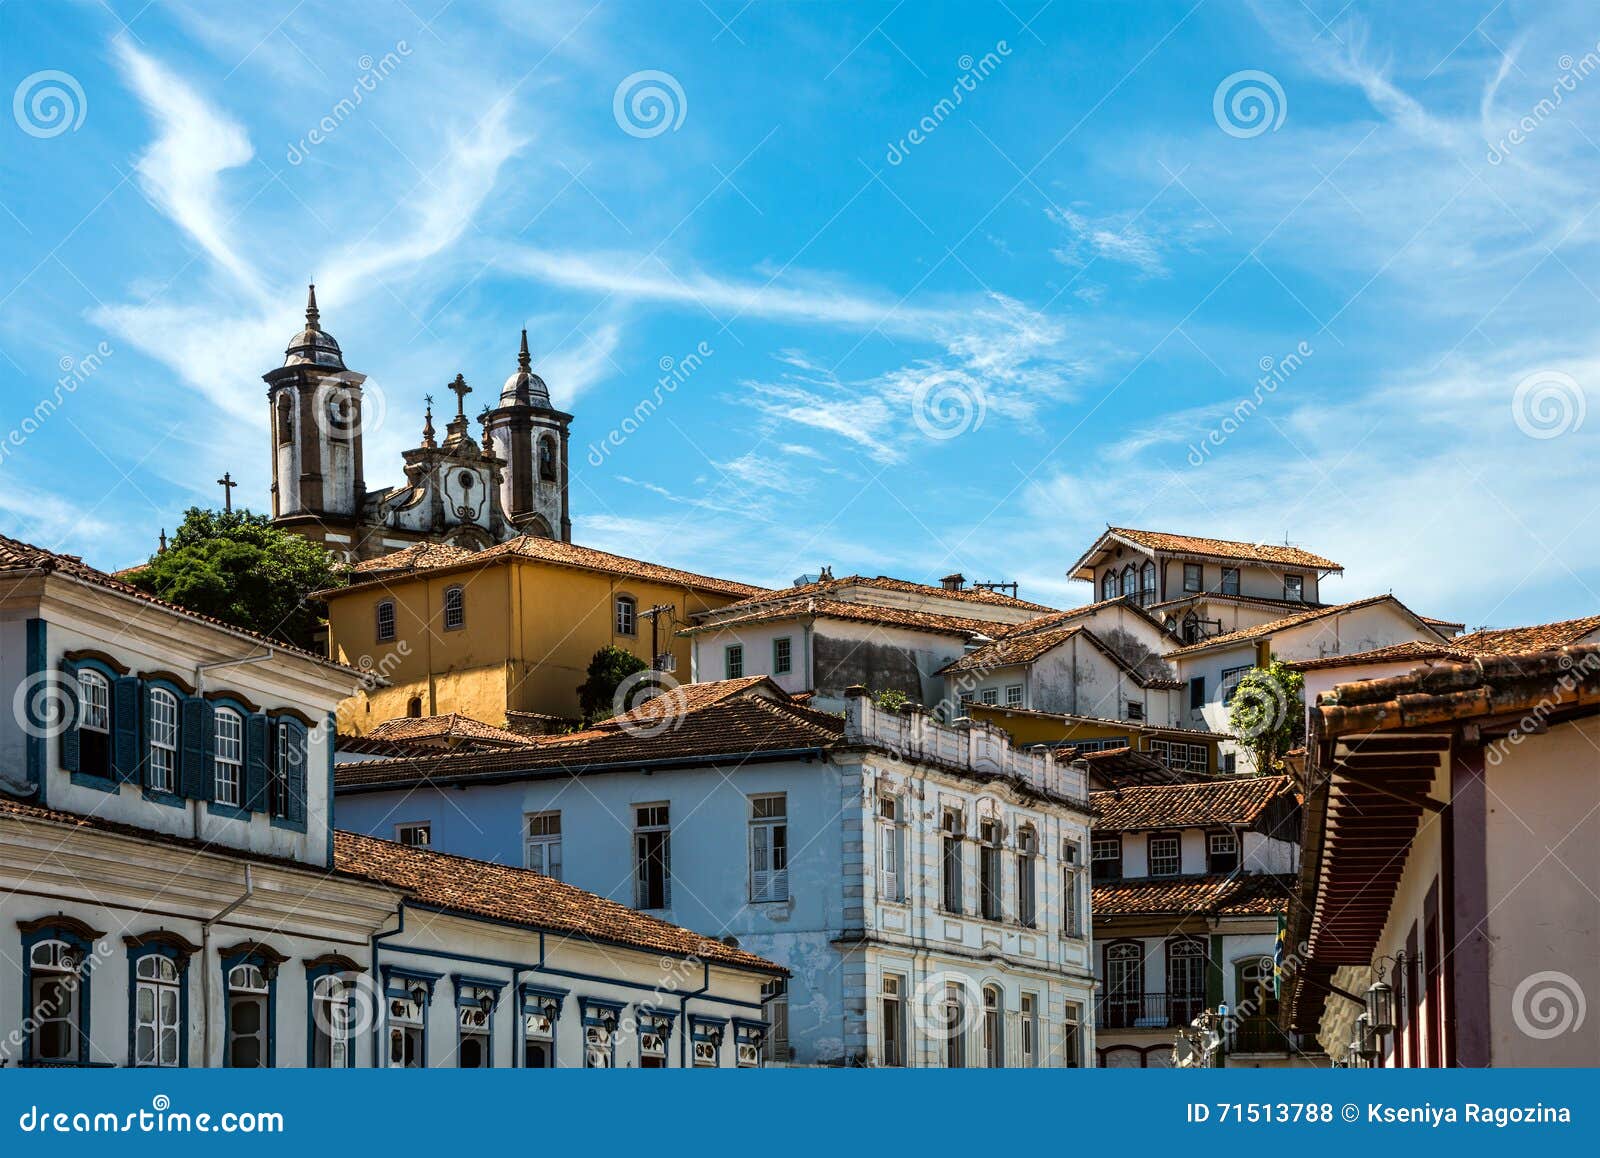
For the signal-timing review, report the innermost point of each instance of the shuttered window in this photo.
(769, 848)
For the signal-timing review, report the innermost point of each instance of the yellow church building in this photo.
(505, 633)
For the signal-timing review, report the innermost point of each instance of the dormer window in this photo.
(1294, 588)
(1166, 856)
(1130, 580)
(1107, 858)
(1108, 585)
(1222, 852)
(1147, 584)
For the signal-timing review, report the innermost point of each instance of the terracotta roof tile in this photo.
(1394, 653)
(1225, 549)
(1509, 640)
(453, 726)
(681, 699)
(807, 605)
(524, 897)
(1221, 894)
(432, 557)
(17, 556)
(823, 587)
(1231, 800)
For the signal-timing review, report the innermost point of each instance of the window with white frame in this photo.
(228, 757)
(892, 1014)
(405, 1034)
(989, 862)
(1294, 588)
(1230, 580)
(1222, 852)
(653, 1034)
(163, 770)
(385, 620)
(733, 661)
(1165, 853)
(775, 997)
(989, 696)
(1072, 1036)
(891, 850)
(627, 615)
(542, 850)
(455, 608)
(1231, 678)
(597, 1047)
(1147, 584)
(94, 723)
(951, 860)
(955, 1027)
(652, 856)
(1072, 887)
(782, 656)
(55, 1011)
(417, 835)
(538, 1041)
(472, 1040)
(1028, 1026)
(1193, 577)
(1027, 869)
(330, 1022)
(248, 995)
(769, 848)
(1014, 695)
(994, 1039)
(1182, 757)
(156, 1004)
(1107, 856)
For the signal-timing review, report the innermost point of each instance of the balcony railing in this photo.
(1148, 1010)
(1261, 1036)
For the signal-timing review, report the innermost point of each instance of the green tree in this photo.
(239, 568)
(607, 669)
(890, 700)
(1268, 713)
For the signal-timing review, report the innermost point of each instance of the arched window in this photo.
(94, 723)
(627, 615)
(55, 1007)
(162, 775)
(1147, 584)
(228, 757)
(1191, 628)
(1186, 979)
(1108, 585)
(157, 1011)
(249, 993)
(1130, 580)
(455, 608)
(285, 419)
(1124, 997)
(330, 1021)
(1027, 854)
(547, 460)
(994, 1046)
(385, 613)
(414, 707)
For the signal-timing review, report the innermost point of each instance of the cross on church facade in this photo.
(227, 484)
(461, 390)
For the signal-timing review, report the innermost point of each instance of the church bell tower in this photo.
(530, 435)
(315, 405)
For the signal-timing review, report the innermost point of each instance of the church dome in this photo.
(525, 388)
(313, 346)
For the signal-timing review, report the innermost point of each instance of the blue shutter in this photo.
(125, 705)
(295, 774)
(256, 735)
(195, 777)
(144, 734)
(69, 694)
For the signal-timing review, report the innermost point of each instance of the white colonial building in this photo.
(173, 893)
(925, 884)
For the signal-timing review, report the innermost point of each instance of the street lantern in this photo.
(1366, 1040)
(1380, 1007)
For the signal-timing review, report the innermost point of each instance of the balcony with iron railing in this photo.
(1148, 1010)
(1260, 1035)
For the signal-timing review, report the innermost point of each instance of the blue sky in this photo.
(968, 348)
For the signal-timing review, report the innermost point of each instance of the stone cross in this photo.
(227, 484)
(461, 389)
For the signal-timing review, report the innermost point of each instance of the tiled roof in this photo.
(1232, 800)
(1508, 640)
(1394, 653)
(17, 556)
(684, 698)
(430, 557)
(1114, 768)
(1225, 549)
(523, 897)
(811, 606)
(1263, 630)
(743, 725)
(1289, 605)
(885, 583)
(1143, 727)
(454, 726)
(1220, 894)
(1014, 648)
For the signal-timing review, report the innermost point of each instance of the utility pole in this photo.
(652, 613)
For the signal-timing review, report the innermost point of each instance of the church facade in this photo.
(463, 491)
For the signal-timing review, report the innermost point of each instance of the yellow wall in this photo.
(531, 629)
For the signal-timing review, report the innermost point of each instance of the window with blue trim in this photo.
(331, 984)
(161, 732)
(476, 1001)
(655, 1036)
(541, 1010)
(227, 785)
(58, 954)
(93, 752)
(250, 974)
(408, 996)
(707, 1036)
(748, 1039)
(600, 1020)
(158, 1000)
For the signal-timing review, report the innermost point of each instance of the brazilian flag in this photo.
(1279, 954)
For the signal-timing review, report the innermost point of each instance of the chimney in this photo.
(953, 582)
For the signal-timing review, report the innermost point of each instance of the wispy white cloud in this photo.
(1108, 239)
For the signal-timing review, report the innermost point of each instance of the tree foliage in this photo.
(239, 568)
(607, 669)
(1268, 713)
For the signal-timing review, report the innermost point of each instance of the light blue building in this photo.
(924, 884)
